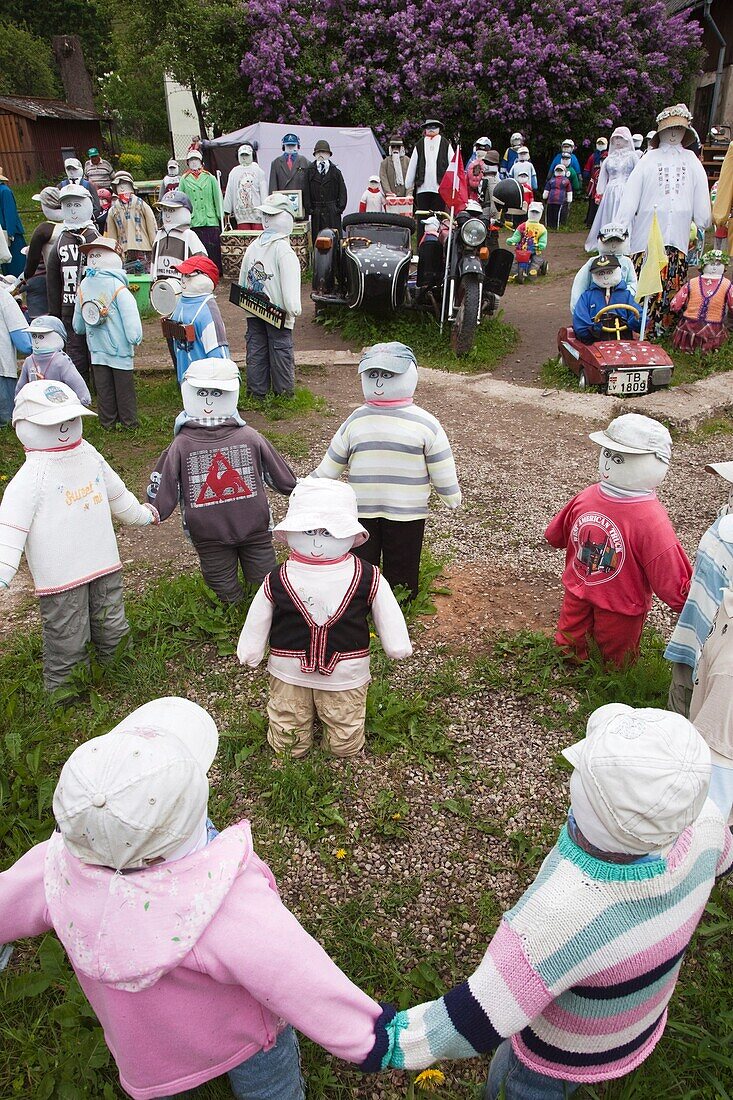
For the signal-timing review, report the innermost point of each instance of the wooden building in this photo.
(36, 135)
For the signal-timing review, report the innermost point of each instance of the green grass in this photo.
(30, 212)
(420, 331)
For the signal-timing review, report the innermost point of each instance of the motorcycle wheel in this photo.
(466, 322)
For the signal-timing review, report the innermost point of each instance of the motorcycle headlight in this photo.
(473, 232)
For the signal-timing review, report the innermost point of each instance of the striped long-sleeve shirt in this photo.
(713, 573)
(393, 456)
(580, 971)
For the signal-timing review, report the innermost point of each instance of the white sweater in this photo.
(270, 267)
(59, 509)
(322, 587)
(672, 181)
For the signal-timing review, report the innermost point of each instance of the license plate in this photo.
(628, 382)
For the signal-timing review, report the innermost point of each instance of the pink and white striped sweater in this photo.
(581, 970)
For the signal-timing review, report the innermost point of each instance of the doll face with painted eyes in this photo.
(384, 385)
(202, 402)
(319, 544)
(76, 211)
(195, 284)
(48, 437)
(606, 279)
(629, 471)
(175, 215)
(104, 259)
(671, 135)
(713, 270)
(46, 343)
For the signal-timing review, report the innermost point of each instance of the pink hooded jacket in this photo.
(191, 966)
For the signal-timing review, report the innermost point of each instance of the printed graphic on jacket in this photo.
(219, 476)
(70, 271)
(599, 548)
(257, 277)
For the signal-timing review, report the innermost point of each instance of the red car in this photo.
(625, 368)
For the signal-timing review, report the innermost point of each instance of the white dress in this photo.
(615, 171)
(672, 181)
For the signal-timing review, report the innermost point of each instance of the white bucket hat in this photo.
(635, 434)
(723, 469)
(47, 402)
(317, 503)
(645, 772)
(140, 791)
(220, 374)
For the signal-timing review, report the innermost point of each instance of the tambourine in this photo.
(164, 295)
(94, 313)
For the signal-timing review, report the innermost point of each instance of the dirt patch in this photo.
(483, 603)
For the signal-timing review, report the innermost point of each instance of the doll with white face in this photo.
(669, 181)
(218, 468)
(48, 361)
(107, 316)
(529, 241)
(610, 187)
(704, 304)
(246, 189)
(64, 269)
(395, 452)
(313, 611)
(620, 546)
(612, 241)
(67, 534)
(199, 332)
(606, 310)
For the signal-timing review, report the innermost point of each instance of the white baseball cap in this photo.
(73, 191)
(47, 402)
(319, 502)
(724, 469)
(645, 772)
(220, 374)
(137, 793)
(635, 434)
(276, 203)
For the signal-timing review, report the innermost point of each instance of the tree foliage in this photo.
(46, 18)
(26, 64)
(547, 67)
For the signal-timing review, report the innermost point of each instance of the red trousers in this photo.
(617, 636)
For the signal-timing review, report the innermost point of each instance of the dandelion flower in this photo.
(396, 817)
(340, 853)
(430, 1079)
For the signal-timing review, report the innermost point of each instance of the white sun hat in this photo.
(137, 793)
(319, 503)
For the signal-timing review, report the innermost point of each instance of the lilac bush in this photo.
(547, 67)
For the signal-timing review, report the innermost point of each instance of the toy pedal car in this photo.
(623, 367)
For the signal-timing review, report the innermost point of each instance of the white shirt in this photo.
(59, 509)
(246, 188)
(322, 588)
(672, 180)
(431, 181)
(11, 319)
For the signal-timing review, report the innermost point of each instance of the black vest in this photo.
(441, 164)
(344, 636)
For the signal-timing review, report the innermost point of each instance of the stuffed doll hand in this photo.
(154, 515)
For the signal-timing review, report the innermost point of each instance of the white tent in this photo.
(355, 151)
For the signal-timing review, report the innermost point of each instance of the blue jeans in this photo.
(272, 1074)
(519, 1082)
(7, 399)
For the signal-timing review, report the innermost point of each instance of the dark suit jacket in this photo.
(284, 179)
(324, 196)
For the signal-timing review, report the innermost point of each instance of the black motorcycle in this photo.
(478, 270)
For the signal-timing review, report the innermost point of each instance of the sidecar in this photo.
(365, 266)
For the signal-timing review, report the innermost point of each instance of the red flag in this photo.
(453, 188)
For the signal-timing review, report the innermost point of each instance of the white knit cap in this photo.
(139, 792)
(319, 503)
(47, 402)
(645, 772)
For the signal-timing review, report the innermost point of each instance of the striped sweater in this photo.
(580, 971)
(713, 573)
(393, 456)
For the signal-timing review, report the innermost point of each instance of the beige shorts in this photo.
(292, 709)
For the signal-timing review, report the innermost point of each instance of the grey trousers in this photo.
(116, 400)
(270, 359)
(680, 690)
(220, 564)
(93, 612)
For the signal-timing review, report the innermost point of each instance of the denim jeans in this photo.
(519, 1082)
(7, 398)
(272, 1074)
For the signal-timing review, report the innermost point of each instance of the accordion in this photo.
(176, 330)
(257, 305)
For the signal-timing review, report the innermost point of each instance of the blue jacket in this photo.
(588, 304)
(112, 342)
(574, 163)
(209, 335)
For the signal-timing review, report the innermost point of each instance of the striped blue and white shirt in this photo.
(713, 573)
